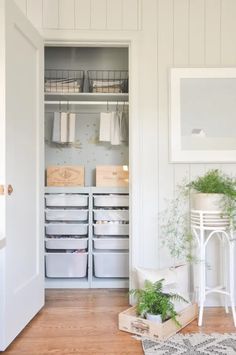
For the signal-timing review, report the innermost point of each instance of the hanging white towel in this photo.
(115, 128)
(64, 127)
(105, 127)
(124, 127)
(56, 129)
(71, 127)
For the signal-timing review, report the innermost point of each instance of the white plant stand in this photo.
(205, 225)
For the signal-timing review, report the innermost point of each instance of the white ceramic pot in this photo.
(156, 318)
(206, 202)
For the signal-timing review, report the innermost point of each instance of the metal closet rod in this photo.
(124, 103)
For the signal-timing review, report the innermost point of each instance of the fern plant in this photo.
(175, 220)
(151, 299)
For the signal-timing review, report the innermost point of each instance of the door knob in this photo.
(9, 189)
(2, 189)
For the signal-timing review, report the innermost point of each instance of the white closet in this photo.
(86, 228)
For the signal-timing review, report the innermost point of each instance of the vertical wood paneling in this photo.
(98, 14)
(213, 33)
(149, 144)
(82, 14)
(228, 28)
(181, 59)
(114, 14)
(130, 14)
(197, 32)
(35, 12)
(50, 14)
(22, 4)
(181, 32)
(165, 61)
(66, 14)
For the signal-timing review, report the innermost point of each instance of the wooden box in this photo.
(129, 322)
(112, 176)
(66, 175)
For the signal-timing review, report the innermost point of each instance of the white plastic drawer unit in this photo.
(66, 229)
(111, 264)
(111, 215)
(111, 229)
(66, 243)
(111, 200)
(66, 200)
(111, 243)
(66, 264)
(66, 215)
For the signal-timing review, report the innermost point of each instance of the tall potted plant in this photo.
(214, 191)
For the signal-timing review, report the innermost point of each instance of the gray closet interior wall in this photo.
(87, 150)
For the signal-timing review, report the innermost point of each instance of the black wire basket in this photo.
(63, 81)
(108, 81)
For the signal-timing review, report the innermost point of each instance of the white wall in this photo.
(181, 33)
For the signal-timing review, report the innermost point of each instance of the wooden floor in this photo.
(85, 322)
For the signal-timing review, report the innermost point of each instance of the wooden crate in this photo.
(112, 176)
(66, 175)
(129, 322)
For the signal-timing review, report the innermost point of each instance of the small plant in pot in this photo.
(156, 305)
(214, 191)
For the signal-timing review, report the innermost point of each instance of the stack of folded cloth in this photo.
(62, 85)
(110, 86)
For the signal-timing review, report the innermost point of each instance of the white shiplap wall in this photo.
(182, 33)
(83, 14)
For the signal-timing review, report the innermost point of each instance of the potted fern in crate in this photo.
(214, 191)
(156, 305)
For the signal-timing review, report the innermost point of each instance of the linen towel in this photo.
(56, 129)
(124, 127)
(115, 128)
(64, 127)
(71, 127)
(105, 126)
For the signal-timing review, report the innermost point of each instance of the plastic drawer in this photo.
(66, 215)
(66, 200)
(66, 264)
(111, 201)
(111, 215)
(66, 243)
(66, 229)
(111, 243)
(107, 264)
(111, 229)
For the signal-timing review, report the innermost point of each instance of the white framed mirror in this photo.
(202, 115)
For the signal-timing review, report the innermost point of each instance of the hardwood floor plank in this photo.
(85, 322)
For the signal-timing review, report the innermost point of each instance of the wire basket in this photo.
(64, 81)
(108, 81)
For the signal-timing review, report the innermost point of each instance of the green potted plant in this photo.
(154, 304)
(212, 191)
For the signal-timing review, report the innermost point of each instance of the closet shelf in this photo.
(86, 97)
(85, 103)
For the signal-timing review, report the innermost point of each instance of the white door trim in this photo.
(131, 42)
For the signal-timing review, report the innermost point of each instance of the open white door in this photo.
(21, 169)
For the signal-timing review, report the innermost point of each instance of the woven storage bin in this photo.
(108, 81)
